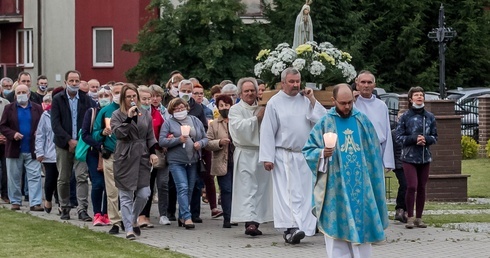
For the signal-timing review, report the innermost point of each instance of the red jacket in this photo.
(9, 125)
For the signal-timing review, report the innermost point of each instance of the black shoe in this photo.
(197, 220)
(130, 237)
(172, 218)
(114, 230)
(252, 231)
(234, 224)
(399, 214)
(226, 224)
(137, 231)
(295, 236)
(65, 214)
(83, 216)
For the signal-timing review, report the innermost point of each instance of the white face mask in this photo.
(73, 89)
(418, 106)
(104, 102)
(174, 92)
(22, 99)
(115, 98)
(93, 95)
(185, 96)
(180, 115)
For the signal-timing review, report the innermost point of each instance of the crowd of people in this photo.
(271, 163)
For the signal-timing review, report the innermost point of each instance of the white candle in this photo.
(185, 130)
(330, 140)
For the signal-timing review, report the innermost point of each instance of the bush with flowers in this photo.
(318, 63)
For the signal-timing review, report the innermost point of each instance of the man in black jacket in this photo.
(67, 112)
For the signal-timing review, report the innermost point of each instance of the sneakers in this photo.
(294, 236)
(164, 220)
(99, 220)
(106, 219)
(419, 223)
(410, 223)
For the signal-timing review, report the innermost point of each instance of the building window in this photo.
(24, 48)
(103, 47)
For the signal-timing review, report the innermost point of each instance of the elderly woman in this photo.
(183, 153)
(46, 153)
(133, 157)
(151, 98)
(94, 162)
(416, 131)
(222, 147)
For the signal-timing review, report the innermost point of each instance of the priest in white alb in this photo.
(252, 184)
(377, 112)
(289, 117)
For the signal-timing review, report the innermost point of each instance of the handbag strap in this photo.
(93, 119)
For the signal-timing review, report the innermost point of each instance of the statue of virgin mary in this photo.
(303, 28)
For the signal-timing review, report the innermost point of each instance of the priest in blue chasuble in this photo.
(349, 190)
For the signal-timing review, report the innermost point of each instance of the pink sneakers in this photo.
(106, 219)
(99, 220)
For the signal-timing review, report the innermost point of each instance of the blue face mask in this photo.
(147, 107)
(6, 92)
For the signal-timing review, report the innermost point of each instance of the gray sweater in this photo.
(176, 153)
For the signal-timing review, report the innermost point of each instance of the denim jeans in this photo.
(33, 172)
(225, 185)
(98, 196)
(185, 178)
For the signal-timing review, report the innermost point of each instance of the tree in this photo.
(389, 37)
(205, 39)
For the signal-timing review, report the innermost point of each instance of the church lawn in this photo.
(478, 181)
(24, 235)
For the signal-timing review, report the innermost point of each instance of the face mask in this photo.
(22, 99)
(42, 88)
(104, 102)
(93, 95)
(46, 106)
(6, 92)
(73, 89)
(115, 98)
(224, 113)
(418, 106)
(185, 96)
(174, 92)
(147, 107)
(180, 115)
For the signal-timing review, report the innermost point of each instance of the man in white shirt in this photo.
(289, 117)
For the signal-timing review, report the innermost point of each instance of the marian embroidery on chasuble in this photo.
(351, 160)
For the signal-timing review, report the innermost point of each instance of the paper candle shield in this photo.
(330, 139)
(107, 121)
(185, 130)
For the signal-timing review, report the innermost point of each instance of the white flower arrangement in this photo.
(318, 63)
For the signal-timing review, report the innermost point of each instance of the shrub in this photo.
(469, 147)
(487, 148)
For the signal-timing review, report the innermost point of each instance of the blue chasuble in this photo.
(349, 199)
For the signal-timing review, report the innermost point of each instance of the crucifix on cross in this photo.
(442, 35)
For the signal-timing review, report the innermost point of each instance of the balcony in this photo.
(10, 11)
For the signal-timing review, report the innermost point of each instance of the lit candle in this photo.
(330, 140)
(185, 130)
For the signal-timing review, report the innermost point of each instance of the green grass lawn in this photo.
(478, 182)
(24, 235)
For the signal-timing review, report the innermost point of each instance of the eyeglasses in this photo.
(178, 109)
(198, 93)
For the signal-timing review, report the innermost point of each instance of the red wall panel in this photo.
(125, 17)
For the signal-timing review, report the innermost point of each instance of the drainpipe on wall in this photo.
(17, 10)
(39, 38)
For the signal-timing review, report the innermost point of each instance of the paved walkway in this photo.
(209, 239)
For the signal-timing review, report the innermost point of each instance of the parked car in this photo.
(466, 104)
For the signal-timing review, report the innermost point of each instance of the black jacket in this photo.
(61, 116)
(410, 125)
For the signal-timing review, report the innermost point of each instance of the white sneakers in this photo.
(164, 220)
